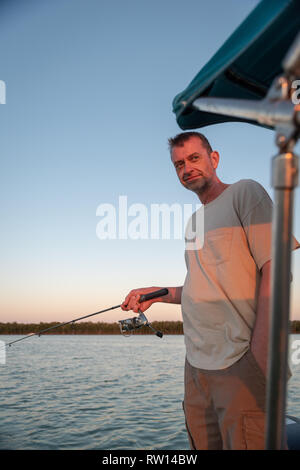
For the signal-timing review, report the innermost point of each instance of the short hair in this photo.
(181, 138)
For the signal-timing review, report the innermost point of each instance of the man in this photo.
(225, 303)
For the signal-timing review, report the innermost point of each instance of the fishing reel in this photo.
(130, 324)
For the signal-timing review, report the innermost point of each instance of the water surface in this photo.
(98, 392)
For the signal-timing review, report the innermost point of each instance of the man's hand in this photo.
(131, 301)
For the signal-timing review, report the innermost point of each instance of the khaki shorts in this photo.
(225, 409)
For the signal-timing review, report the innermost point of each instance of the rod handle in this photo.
(153, 295)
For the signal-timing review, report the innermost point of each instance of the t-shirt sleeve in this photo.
(257, 223)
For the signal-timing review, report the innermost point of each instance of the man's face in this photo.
(195, 167)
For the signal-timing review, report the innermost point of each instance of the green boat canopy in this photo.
(245, 66)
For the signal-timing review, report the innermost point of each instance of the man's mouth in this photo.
(191, 178)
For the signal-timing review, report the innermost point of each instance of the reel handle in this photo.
(153, 295)
(158, 333)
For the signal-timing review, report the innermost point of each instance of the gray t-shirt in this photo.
(220, 292)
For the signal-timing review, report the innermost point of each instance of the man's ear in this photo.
(214, 158)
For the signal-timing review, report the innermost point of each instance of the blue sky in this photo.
(88, 113)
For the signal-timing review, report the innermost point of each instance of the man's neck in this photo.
(209, 193)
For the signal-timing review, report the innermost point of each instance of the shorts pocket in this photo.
(253, 427)
(254, 364)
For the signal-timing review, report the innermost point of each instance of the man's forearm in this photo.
(174, 295)
(260, 335)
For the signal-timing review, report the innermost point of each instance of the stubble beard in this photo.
(199, 186)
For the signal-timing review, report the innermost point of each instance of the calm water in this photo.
(98, 392)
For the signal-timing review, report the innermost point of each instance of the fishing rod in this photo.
(127, 326)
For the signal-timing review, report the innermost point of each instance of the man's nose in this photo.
(188, 167)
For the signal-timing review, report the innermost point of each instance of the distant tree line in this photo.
(100, 328)
(87, 328)
(295, 326)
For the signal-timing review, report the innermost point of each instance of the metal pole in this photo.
(284, 180)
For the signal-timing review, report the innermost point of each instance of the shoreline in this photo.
(101, 328)
(86, 328)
